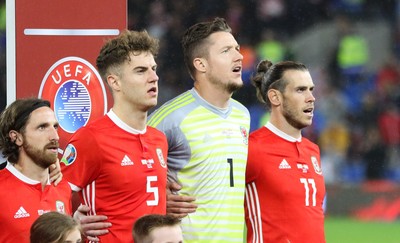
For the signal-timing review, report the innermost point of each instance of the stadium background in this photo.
(352, 48)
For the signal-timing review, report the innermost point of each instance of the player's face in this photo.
(40, 139)
(224, 62)
(139, 81)
(170, 234)
(298, 100)
(73, 237)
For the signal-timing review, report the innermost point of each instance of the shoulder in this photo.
(173, 111)
(98, 125)
(237, 105)
(311, 145)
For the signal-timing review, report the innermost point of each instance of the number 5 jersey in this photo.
(119, 172)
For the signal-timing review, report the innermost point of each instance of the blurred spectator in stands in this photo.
(334, 142)
(389, 127)
(388, 81)
(271, 47)
(374, 154)
(351, 55)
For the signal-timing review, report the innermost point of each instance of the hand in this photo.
(55, 172)
(179, 205)
(92, 225)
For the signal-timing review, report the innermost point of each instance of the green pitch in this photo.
(346, 230)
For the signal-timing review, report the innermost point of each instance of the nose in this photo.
(239, 56)
(311, 97)
(153, 76)
(54, 134)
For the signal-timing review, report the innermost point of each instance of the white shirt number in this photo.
(154, 190)
(307, 183)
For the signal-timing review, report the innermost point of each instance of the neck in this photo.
(132, 117)
(281, 123)
(213, 95)
(32, 171)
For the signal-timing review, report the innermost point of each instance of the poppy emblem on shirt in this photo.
(69, 155)
(244, 133)
(317, 168)
(161, 158)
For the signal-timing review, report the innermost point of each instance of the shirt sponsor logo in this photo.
(148, 162)
(21, 213)
(126, 161)
(69, 155)
(284, 165)
(302, 167)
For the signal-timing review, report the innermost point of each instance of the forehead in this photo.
(298, 78)
(222, 39)
(141, 59)
(42, 115)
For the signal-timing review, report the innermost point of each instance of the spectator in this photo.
(156, 228)
(53, 227)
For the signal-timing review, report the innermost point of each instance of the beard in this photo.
(40, 157)
(292, 117)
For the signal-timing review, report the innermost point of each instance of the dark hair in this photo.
(52, 227)
(144, 225)
(116, 51)
(15, 117)
(269, 76)
(194, 41)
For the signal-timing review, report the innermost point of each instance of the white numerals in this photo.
(313, 193)
(154, 190)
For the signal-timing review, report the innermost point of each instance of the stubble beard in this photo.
(292, 117)
(230, 87)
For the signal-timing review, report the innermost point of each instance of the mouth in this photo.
(237, 69)
(53, 148)
(309, 111)
(152, 91)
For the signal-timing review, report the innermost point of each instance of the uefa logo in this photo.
(76, 92)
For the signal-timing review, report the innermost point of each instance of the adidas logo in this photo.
(21, 213)
(126, 161)
(284, 165)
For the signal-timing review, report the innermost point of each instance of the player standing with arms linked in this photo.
(284, 183)
(117, 163)
(29, 141)
(207, 135)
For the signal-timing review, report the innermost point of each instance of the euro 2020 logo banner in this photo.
(77, 94)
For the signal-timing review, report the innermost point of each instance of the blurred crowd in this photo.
(357, 116)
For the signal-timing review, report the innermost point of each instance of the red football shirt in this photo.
(22, 201)
(118, 172)
(284, 189)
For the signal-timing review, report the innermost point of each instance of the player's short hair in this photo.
(118, 50)
(146, 224)
(195, 40)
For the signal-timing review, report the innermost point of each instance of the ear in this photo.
(200, 64)
(274, 97)
(16, 137)
(114, 82)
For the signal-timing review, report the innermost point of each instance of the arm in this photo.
(179, 205)
(55, 172)
(92, 225)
